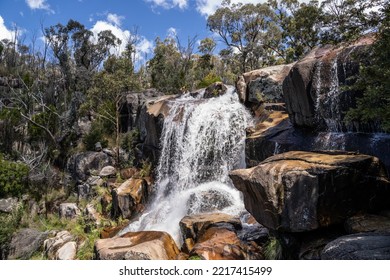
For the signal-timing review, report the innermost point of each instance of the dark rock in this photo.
(150, 124)
(98, 147)
(215, 90)
(262, 85)
(313, 90)
(367, 223)
(360, 246)
(303, 191)
(83, 191)
(82, 164)
(25, 243)
(131, 109)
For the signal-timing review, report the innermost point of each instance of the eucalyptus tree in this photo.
(248, 30)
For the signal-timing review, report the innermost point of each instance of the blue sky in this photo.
(186, 18)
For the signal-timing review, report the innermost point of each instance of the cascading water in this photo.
(202, 140)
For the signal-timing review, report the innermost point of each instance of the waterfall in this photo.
(202, 140)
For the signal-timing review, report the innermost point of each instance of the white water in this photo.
(202, 140)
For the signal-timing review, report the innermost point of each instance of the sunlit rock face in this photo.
(302, 191)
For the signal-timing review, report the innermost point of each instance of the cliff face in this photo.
(316, 89)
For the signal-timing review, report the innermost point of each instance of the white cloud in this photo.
(143, 46)
(5, 33)
(208, 7)
(171, 32)
(39, 5)
(101, 25)
(115, 19)
(169, 4)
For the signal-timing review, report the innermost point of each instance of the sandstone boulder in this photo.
(218, 244)
(302, 191)
(192, 227)
(67, 251)
(360, 246)
(145, 245)
(129, 197)
(53, 244)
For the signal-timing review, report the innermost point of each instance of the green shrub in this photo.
(13, 178)
(210, 79)
(146, 169)
(129, 139)
(9, 224)
(273, 249)
(95, 135)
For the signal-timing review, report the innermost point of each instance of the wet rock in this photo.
(81, 165)
(367, 223)
(215, 90)
(129, 197)
(68, 210)
(67, 251)
(53, 244)
(7, 205)
(108, 171)
(25, 243)
(208, 201)
(150, 123)
(313, 90)
(145, 245)
(360, 246)
(303, 191)
(260, 143)
(265, 85)
(221, 244)
(192, 227)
